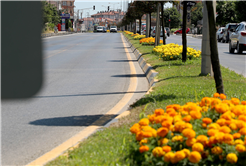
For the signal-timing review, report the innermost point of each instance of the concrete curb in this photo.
(55, 34)
(147, 68)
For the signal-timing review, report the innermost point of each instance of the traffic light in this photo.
(94, 7)
(169, 20)
(108, 8)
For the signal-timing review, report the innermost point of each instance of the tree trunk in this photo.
(140, 25)
(135, 26)
(163, 23)
(149, 24)
(184, 41)
(214, 49)
(157, 29)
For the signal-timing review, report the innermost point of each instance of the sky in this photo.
(100, 5)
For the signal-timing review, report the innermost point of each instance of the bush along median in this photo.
(182, 106)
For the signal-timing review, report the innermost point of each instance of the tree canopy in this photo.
(174, 17)
(50, 14)
(197, 14)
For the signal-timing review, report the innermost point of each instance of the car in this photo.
(104, 30)
(99, 29)
(227, 33)
(219, 33)
(113, 29)
(237, 39)
(180, 31)
(168, 31)
(161, 34)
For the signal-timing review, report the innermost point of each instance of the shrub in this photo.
(149, 41)
(209, 132)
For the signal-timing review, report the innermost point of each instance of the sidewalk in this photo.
(56, 34)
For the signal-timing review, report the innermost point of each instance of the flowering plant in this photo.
(138, 37)
(209, 132)
(148, 41)
(136, 34)
(128, 32)
(173, 51)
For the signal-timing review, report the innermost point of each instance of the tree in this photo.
(50, 14)
(174, 17)
(226, 12)
(197, 14)
(214, 49)
(240, 7)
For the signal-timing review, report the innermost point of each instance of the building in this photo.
(69, 7)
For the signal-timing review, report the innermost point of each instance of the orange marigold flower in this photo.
(238, 141)
(235, 101)
(217, 150)
(221, 122)
(166, 149)
(214, 102)
(240, 124)
(188, 125)
(190, 142)
(197, 147)
(226, 116)
(206, 101)
(144, 122)
(139, 136)
(159, 111)
(189, 133)
(177, 138)
(221, 107)
(243, 102)
(212, 140)
(166, 124)
(187, 152)
(228, 138)
(233, 126)
(158, 152)
(195, 157)
(222, 96)
(176, 107)
(219, 137)
(159, 119)
(212, 132)
(179, 126)
(202, 139)
(236, 135)
(242, 131)
(195, 114)
(237, 110)
(204, 125)
(164, 141)
(143, 141)
(135, 128)
(186, 118)
(207, 120)
(152, 118)
(216, 95)
(242, 117)
(146, 134)
(180, 155)
(225, 129)
(168, 156)
(240, 148)
(214, 126)
(231, 158)
(162, 132)
(143, 149)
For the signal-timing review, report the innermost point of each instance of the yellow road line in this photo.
(91, 129)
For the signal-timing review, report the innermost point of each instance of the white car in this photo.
(219, 33)
(238, 38)
(113, 29)
(99, 29)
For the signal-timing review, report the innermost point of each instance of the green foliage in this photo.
(197, 14)
(226, 12)
(174, 17)
(50, 14)
(70, 24)
(240, 7)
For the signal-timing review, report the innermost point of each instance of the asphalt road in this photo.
(235, 62)
(85, 75)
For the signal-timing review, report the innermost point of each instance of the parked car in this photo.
(153, 31)
(168, 31)
(104, 30)
(113, 29)
(227, 33)
(219, 33)
(238, 38)
(180, 31)
(99, 29)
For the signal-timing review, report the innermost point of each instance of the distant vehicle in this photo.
(153, 31)
(104, 30)
(219, 33)
(83, 29)
(99, 29)
(180, 31)
(168, 31)
(238, 38)
(113, 29)
(227, 33)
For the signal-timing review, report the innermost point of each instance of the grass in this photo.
(178, 83)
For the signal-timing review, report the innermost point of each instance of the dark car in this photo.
(227, 33)
(180, 31)
(104, 30)
(168, 31)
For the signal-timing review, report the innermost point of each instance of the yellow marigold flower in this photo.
(197, 147)
(207, 120)
(189, 133)
(228, 138)
(236, 135)
(159, 119)
(190, 142)
(214, 126)
(187, 152)
(202, 139)
(177, 138)
(159, 111)
(240, 124)
(162, 132)
(231, 158)
(206, 101)
(164, 141)
(158, 152)
(195, 114)
(188, 125)
(179, 126)
(214, 102)
(238, 141)
(212, 132)
(235, 101)
(195, 157)
(143, 149)
(242, 131)
(233, 126)
(152, 118)
(222, 96)
(143, 141)
(221, 122)
(217, 150)
(216, 95)
(186, 118)
(237, 110)
(219, 137)
(226, 116)
(166, 149)
(240, 148)
(225, 129)
(135, 128)
(212, 140)
(222, 108)
(144, 122)
(168, 156)
(180, 155)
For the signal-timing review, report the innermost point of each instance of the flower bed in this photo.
(138, 37)
(174, 51)
(136, 34)
(148, 41)
(128, 32)
(209, 132)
